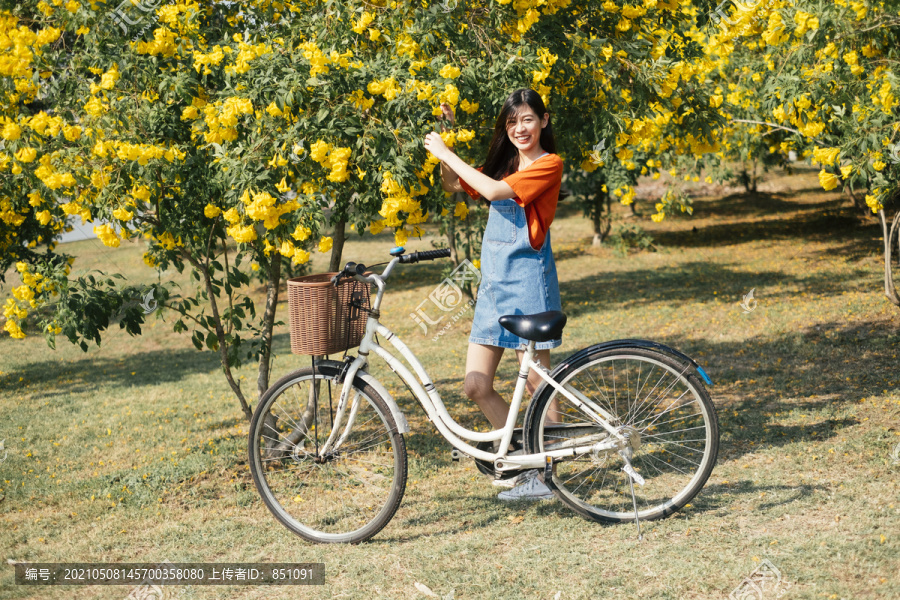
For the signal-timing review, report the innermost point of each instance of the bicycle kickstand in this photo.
(632, 477)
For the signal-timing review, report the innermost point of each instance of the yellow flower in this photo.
(873, 203)
(273, 109)
(846, 170)
(828, 180)
(449, 72)
(232, 215)
(287, 248)
(282, 186)
(107, 235)
(141, 192)
(212, 211)
(325, 244)
(43, 217)
(401, 237)
(94, 107)
(108, 80)
(461, 210)
(123, 214)
(26, 155)
(464, 135)
(319, 150)
(449, 138)
(878, 165)
(450, 95)
(301, 233)
(242, 235)
(48, 35)
(13, 329)
(364, 20)
(11, 132)
(826, 156)
(72, 132)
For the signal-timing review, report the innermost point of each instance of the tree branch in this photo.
(220, 333)
(776, 126)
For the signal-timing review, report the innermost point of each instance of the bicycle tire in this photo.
(352, 495)
(643, 390)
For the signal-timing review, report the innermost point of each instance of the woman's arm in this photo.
(449, 179)
(490, 189)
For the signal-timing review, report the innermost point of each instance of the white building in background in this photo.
(79, 232)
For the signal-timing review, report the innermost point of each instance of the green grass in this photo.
(136, 451)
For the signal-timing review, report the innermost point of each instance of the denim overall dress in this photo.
(516, 279)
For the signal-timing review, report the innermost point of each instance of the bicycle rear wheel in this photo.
(346, 496)
(663, 408)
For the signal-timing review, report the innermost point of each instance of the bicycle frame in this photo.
(427, 395)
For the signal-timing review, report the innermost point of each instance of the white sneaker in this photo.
(513, 481)
(532, 489)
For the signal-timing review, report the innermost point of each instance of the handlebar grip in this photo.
(426, 255)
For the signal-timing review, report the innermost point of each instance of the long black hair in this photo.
(503, 157)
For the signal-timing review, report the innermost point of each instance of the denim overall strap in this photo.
(516, 278)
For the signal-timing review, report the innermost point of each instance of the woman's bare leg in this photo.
(535, 380)
(481, 367)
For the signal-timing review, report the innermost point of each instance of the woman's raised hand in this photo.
(435, 144)
(447, 113)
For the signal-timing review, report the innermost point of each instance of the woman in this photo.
(521, 178)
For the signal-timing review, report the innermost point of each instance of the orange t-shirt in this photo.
(537, 191)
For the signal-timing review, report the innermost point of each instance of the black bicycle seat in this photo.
(540, 327)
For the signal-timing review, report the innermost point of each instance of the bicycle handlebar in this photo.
(352, 269)
(426, 255)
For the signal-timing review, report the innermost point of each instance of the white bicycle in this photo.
(634, 434)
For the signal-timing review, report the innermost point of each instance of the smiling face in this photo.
(524, 129)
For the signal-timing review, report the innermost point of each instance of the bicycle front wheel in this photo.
(347, 495)
(663, 409)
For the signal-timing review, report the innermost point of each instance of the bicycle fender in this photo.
(399, 418)
(631, 343)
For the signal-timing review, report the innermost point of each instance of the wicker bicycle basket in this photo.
(320, 314)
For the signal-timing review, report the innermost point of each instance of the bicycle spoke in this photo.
(662, 414)
(346, 494)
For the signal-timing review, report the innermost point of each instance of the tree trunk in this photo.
(451, 238)
(337, 249)
(889, 289)
(754, 177)
(265, 355)
(857, 202)
(601, 224)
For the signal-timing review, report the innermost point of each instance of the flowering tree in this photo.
(819, 79)
(229, 133)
